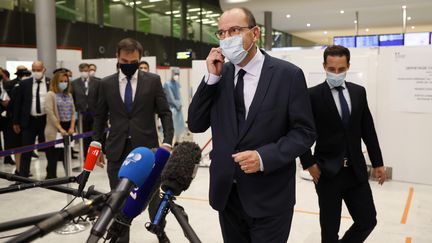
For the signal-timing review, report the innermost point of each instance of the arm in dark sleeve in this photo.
(369, 135)
(307, 159)
(17, 104)
(200, 107)
(163, 112)
(101, 115)
(301, 134)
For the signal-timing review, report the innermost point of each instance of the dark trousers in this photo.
(87, 123)
(53, 155)
(36, 128)
(358, 199)
(238, 227)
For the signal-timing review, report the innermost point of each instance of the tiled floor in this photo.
(390, 200)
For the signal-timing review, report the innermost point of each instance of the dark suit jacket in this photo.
(23, 102)
(279, 126)
(83, 102)
(149, 100)
(333, 139)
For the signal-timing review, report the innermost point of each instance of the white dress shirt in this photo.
(42, 93)
(123, 82)
(251, 79)
(345, 93)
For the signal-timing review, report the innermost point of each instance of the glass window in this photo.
(209, 18)
(7, 4)
(73, 10)
(119, 13)
(153, 16)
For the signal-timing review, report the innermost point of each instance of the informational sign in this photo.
(412, 80)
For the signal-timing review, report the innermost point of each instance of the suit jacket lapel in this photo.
(330, 102)
(355, 100)
(140, 83)
(261, 91)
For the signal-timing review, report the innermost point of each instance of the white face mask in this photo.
(232, 48)
(176, 77)
(92, 73)
(336, 80)
(37, 75)
(84, 75)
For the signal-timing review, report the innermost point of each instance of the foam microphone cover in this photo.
(179, 170)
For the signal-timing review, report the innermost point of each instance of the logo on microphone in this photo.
(132, 158)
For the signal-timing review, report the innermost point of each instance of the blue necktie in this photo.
(239, 100)
(128, 95)
(344, 106)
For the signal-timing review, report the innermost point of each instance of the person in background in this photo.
(92, 71)
(29, 117)
(12, 139)
(85, 94)
(144, 66)
(4, 101)
(60, 117)
(172, 90)
(338, 167)
(129, 99)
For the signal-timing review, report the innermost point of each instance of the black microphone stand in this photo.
(63, 189)
(45, 183)
(179, 213)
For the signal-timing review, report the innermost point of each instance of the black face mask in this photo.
(128, 69)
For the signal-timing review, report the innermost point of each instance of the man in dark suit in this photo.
(259, 112)
(92, 68)
(85, 93)
(338, 167)
(131, 98)
(29, 116)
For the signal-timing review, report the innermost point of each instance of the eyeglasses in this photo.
(235, 30)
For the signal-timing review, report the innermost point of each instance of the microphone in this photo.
(176, 177)
(133, 172)
(139, 198)
(59, 219)
(93, 153)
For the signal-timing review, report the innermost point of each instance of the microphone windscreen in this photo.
(179, 170)
(93, 152)
(137, 165)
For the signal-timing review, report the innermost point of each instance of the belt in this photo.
(38, 116)
(345, 162)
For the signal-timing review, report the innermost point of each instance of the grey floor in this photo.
(391, 201)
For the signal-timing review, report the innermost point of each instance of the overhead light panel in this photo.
(148, 6)
(288, 16)
(408, 18)
(367, 30)
(308, 25)
(154, 1)
(342, 12)
(404, 7)
(194, 10)
(412, 27)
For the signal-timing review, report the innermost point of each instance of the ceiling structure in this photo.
(328, 18)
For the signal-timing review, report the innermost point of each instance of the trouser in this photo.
(238, 227)
(53, 155)
(36, 128)
(358, 199)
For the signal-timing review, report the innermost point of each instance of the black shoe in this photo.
(34, 155)
(163, 238)
(9, 160)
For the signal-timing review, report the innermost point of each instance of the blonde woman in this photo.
(60, 110)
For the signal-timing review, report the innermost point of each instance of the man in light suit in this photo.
(130, 98)
(85, 93)
(259, 111)
(338, 167)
